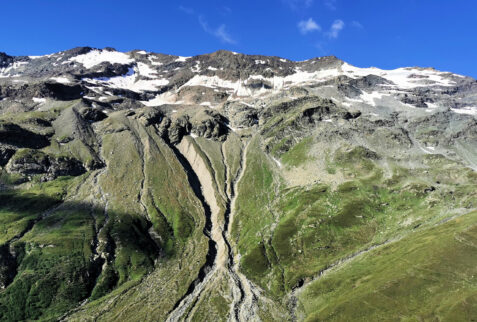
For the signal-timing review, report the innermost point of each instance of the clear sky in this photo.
(382, 33)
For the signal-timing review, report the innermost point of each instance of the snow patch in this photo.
(182, 58)
(161, 99)
(9, 70)
(370, 98)
(469, 110)
(153, 62)
(145, 70)
(129, 81)
(96, 57)
(404, 78)
(39, 100)
(61, 79)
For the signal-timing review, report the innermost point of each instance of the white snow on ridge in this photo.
(469, 110)
(153, 62)
(39, 100)
(370, 98)
(61, 79)
(8, 71)
(145, 70)
(182, 58)
(129, 81)
(402, 77)
(96, 57)
(210, 81)
(165, 98)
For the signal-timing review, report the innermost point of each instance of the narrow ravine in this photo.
(246, 308)
(192, 165)
(243, 307)
(101, 256)
(238, 289)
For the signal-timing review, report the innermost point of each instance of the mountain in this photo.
(139, 186)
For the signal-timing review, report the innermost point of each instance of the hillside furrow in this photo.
(201, 183)
(246, 308)
(293, 297)
(238, 293)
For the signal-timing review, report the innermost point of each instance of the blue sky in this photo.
(381, 33)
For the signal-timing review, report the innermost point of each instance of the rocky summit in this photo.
(227, 187)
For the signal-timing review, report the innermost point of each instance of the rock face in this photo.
(7, 266)
(31, 162)
(5, 60)
(233, 187)
(5, 155)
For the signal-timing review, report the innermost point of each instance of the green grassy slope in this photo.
(288, 234)
(427, 276)
(104, 233)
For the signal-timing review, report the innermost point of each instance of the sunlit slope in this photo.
(429, 275)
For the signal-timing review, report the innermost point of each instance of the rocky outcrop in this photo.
(5, 154)
(8, 266)
(5, 60)
(49, 89)
(241, 115)
(92, 114)
(209, 124)
(202, 122)
(33, 162)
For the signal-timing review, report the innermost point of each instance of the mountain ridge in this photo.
(141, 186)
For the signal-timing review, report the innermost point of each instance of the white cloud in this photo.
(187, 10)
(223, 35)
(296, 4)
(219, 32)
(335, 29)
(306, 26)
(357, 24)
(330, 4)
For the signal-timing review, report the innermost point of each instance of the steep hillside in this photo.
(147, 187)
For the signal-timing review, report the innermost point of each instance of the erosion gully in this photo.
(221, 260)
